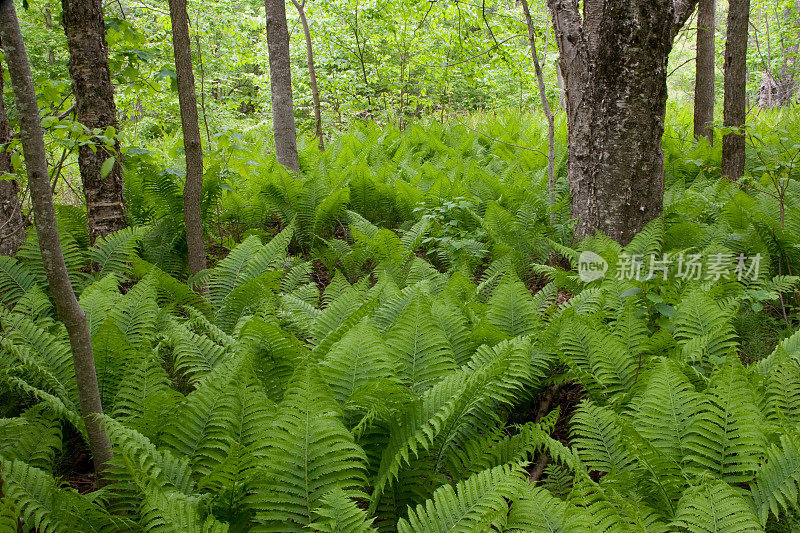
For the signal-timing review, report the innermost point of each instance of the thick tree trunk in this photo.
(94, 108)
(45, 217)
(615, 70)
(280, 80)
(187, 99)
(704, 71)
(735, 112)
(551, 141)
(312, 73)
(12, 225)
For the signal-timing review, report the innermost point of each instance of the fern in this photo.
(113, 252)
(778, 480)
(538, 510)
(44, 504)
(478, 503)
(338, 514)
(419, 347)
(15, 280)
(715, 506)
(668, 410)
(727, 438)
(310, 453)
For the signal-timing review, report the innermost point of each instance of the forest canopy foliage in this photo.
(402, 335)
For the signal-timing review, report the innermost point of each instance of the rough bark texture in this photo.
(704, 73)
(187, 99)
(12, 224)
(735, 112)
(280, 80)
(551, 150)
(45, 217)
(615, 72)
(312, 73)
(94, 108)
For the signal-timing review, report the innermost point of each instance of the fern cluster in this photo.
(354, 364)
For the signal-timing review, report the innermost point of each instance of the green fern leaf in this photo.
(479, 503)
(310, 453)
(715, 507)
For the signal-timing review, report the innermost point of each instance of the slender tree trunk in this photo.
(551, 141)
(187, 99)
(94, 108)
(12, 225)
(733, 144)
(45, 217)
(614, 63)
(705, 75)
(312, 74)
(48, 23)
(280, 78)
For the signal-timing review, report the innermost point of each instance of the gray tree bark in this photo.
(312, 73)
(614, 63)
(705, 71)
(12, 224)
(735, 105)
(94, 108)
(187, 99)
(280, 80)
(45, 218)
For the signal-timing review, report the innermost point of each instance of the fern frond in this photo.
(310, 453)
(419, 347)
(33, 437)
(597, 437)
(728, 437)
(339, 513)
(15, 280)
(778, 479)
(358, 358)
(167, 511)
(114, 252)
(715, 506)
(537, 509)
(668, 409)
(478, 503)
(512, 309)
(49, 507)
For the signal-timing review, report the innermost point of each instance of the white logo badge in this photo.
(591, 266)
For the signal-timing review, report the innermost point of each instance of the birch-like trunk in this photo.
(614, 62)
(94, 108)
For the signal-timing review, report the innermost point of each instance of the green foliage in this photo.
(354, 364)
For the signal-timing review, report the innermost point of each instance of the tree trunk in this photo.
(94, 108)
(705, 75)
(280, 80)
(45, 217)
(615, 72)
(187, 99)
(551, 141)
(312, 74)
(733, 144)
(12, 225)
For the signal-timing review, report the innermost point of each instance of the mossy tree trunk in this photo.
(12, 224)
(705, 71)
(614, 60)
(187, 99)
(67, 305)
(735, 105)
(95, 109)
(280, 80)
